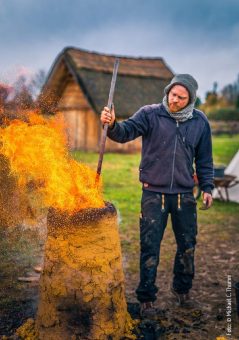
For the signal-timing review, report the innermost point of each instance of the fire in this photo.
(38, 157)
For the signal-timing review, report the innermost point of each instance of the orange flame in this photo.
(37, 153)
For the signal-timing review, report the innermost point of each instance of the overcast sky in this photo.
(198, 37)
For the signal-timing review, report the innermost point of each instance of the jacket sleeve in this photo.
(204, 160)
(129, 129)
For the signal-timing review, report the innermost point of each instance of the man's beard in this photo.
(175, 107)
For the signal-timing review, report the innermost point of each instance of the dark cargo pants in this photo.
(155, 208)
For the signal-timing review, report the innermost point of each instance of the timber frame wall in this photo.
(83, 124)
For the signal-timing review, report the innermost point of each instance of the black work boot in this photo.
(182, 299)
(147, 310)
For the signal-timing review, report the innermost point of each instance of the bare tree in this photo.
(36, 83)
(231, 92)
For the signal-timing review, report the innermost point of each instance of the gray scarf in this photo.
(180, 116)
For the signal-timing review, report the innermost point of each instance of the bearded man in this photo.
(175, 137)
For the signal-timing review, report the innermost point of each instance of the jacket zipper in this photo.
(174, 153)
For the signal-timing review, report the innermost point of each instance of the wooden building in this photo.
(81, 81)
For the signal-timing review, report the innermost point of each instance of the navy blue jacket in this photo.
(169, 149)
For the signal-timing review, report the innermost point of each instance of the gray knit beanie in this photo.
(188, 82)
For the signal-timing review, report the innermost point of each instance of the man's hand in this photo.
(207, 200)
(107, 116)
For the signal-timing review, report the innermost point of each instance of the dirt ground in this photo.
(21, 249)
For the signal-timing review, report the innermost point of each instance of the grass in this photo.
(224, 148)
(121, 185)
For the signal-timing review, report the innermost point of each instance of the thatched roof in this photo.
(140, 81)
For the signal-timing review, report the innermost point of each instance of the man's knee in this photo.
(152, 261)
(186, 259)
(150, 234)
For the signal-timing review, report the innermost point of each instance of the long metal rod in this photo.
(105, 129)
